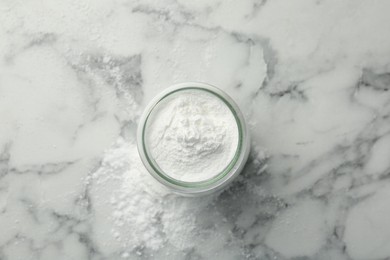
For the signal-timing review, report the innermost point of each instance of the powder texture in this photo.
(136, 212)
(192, 135)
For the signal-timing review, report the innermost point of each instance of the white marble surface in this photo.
(311, 76)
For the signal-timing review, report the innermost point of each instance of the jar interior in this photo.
(174, 123)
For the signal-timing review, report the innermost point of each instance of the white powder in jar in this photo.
(192, 135)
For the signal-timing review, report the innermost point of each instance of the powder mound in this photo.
(129, 198)
(192, 135)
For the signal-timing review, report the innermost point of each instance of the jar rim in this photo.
(209, 183)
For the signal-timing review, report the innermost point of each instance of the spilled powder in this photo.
(135, 216)
(135, 205)
(143, 215)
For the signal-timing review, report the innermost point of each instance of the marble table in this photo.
(311, 76)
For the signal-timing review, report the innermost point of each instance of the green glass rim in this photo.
(218, 176)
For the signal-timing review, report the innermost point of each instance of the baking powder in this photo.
(192, 135)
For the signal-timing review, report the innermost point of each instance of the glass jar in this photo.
(215, 182)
